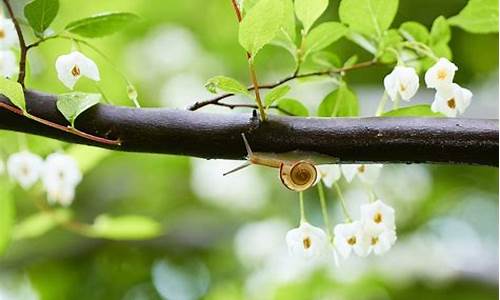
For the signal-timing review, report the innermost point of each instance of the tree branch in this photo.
(173, 131)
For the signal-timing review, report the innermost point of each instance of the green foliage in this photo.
(101, 25)
(71, 105)
(13, 91)
(260, 25)
(7, 217)
(127, 227)
(40, 14)
(226, 84)
(414, 31)
(326, 59)
(342, 102)
(40, 223)
(422, 110)
(308, 11)
(478, 16)
(369, 17)
(323, 36)
(286, 35)
(440, 37)
(276, 94)
(293, 107)
(390, 39)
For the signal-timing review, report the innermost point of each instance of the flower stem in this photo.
(302, 210)
(324, 210)
(381, 105)
(342, 202)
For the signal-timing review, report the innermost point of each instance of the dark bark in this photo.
(172, 131)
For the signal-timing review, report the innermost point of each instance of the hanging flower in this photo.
(402, 83)
(441, 74)
(307, 241)
(60, 177)
(368, 173)
(329, 174)
(8, 64)
(380, 239)
(451, 100)
(71, 67)
(8, 34)
(378, 215)
(24, 167)
(350, 237)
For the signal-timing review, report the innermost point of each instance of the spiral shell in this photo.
(298, 176)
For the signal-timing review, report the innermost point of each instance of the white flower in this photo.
(60, 176)
(367, 173)
(380, 239)
(351, 237)
(71, 67)
(441, 74)
(451, 100)
(329, 173)
(8, 64)
(378, 215)
(401, 82)
(307, 241)
(24, 167)
(8, 34)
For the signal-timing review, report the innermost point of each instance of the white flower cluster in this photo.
(8, 41)
(72, 66)
(59, 174)
(375, 232)
(450, 99)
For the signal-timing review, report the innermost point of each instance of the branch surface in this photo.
(208, 135)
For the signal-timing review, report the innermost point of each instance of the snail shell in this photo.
(298, 176)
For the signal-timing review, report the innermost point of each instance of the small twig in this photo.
(61, 127)
(233, 106)
(215, 100)
(22, 44)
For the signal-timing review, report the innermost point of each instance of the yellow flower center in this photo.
(402, 87)
(361, 169)
(307, 242)
(377, 218)
(451, 103)
(2, 33)
(374, 240)
(75, 71)
(441, 74)
(352, 240)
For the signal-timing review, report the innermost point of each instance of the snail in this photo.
(297, 170)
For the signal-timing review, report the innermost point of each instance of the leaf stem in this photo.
(22, 44)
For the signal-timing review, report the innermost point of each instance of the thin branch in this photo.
(174, 131)
(215, 100)
(22, 44)
(233, 106)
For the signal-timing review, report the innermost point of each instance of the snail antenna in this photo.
(247, 145)
(249, 154)
(237, 168)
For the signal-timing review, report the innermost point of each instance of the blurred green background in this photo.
(224, 236)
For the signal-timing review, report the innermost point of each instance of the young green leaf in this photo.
(286, 35)
(440, 31)
(327, 60)
(13, 91)
(275, 94)
(369, 17)
(128, 227)
(323, 36)
(40, 223)
(260, 25)
(414, 32)
(71, 105)
(293, 107)
(422, 110)
(342, 102)
(308, 11)
(390, 39)
(226, 84)
(7, 216)
(101, 25)
(40, 14)
(351, 61)
(478, 16)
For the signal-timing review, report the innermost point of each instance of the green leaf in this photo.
(71, 105)
(369, 17)
(260, 25)
(101, 25)
(308, 11)
(351, 61)
(422, 110)
(13, 91)
(40, 14)
(478, 16)
(226, 84)
(323, 36)
(440, 31)
(7, 216)
(286, 35)
(390, 39)
(128, 227)
(414, 32)
(326, 59)
(342, 102)
(293, 107)
(275, 94)
(40, 223)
